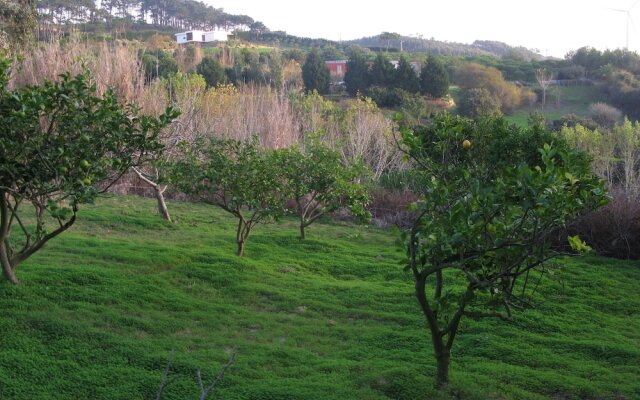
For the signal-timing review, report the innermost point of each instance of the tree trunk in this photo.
(240, 251)
(302, 233)
(443, 358)
(7, 271)
(162, 206)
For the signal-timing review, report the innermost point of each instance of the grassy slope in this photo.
(100, 309)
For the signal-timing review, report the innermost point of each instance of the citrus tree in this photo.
(494, 195)
(60, 145)
(319, 182)
(236, 175)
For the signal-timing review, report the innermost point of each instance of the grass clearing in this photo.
(102, 309)
(571, 100)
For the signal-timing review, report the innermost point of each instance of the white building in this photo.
(202, 36)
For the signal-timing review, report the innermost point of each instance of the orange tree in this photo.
(487, 218)
(60, 145)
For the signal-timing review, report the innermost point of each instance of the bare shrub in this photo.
(613, 230)
(390, 207)
(188, 58)
(240, 113)
(604, 114)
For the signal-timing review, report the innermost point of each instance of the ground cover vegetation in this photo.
(134, 289)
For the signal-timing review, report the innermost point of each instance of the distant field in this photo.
(101, 309)
(572, 100)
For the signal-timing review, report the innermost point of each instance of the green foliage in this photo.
(212, 71)
(57, 143)
(357, 76)
(388, 96)
(434, 80)
(159, 65)
(382, 71)
(486, 220)
(237, 176)
(405, 77)
(315, 73)
(478, 103)
(319, 183)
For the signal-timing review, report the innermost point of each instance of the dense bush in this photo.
(388, 96)
(478, 103)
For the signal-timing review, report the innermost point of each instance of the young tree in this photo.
(58, 144)
(237, 176)
(434, 80)
(356, 78)
(319, 183)
(405, 77)
(491, 202)
(315, 73)
(544, 80)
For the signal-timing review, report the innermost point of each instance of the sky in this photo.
(554, 27)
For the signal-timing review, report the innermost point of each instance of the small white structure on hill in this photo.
(202, 36)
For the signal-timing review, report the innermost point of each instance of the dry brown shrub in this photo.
(114, 65)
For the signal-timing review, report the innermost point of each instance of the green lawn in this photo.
(103, 307)
(571, 100)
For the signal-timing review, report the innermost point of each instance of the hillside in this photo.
(101, 309)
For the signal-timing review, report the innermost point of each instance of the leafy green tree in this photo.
(478, 103)
(237, 176)
(434, 80)
(405, 77)
(315, 73)
(356, 78)
(212, 71)
(159, 65)
(491, 201)
(382, 71)
(319, 183)
(59, 144)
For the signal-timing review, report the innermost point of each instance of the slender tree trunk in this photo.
(162, 206)
(302, 226)
(440, 349)
(240, 251)
(443, 359)
(7, 270)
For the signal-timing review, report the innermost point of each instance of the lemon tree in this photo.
(487, 218)
(60, 145)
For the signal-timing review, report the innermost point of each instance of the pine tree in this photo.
(315, 73)
(357, 76)
(406, 77)
(382, 71)
(434, 80)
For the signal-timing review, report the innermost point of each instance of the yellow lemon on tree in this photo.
(466, 144)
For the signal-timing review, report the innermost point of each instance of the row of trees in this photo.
(378, 78)
(255, 184)
(187, 14)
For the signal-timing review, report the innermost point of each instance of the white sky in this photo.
(552, 26)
